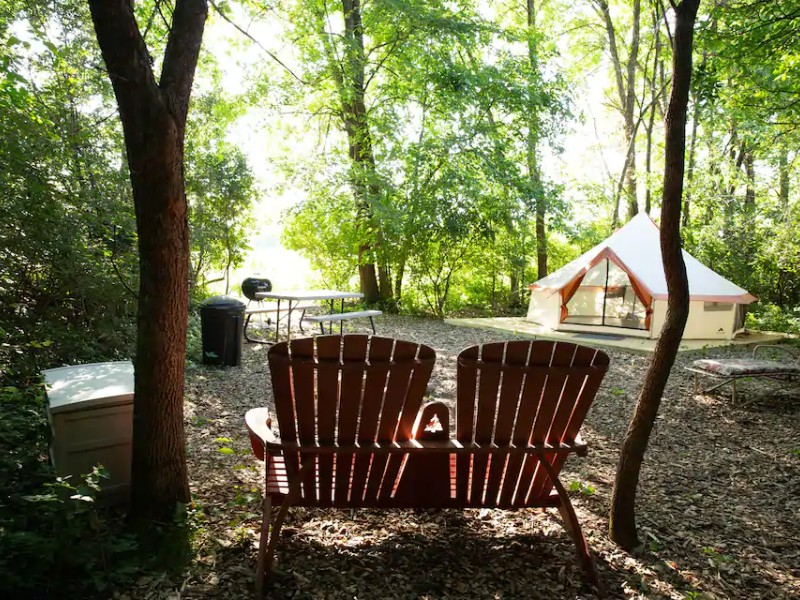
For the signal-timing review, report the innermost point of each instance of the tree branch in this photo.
(126, 57)
(244, 32)
(180, 57)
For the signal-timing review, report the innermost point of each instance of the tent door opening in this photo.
(606, 297)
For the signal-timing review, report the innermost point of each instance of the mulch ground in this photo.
(718, 507)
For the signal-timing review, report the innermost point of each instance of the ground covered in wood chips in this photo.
(718, 506)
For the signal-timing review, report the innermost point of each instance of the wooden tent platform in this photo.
(523, 327)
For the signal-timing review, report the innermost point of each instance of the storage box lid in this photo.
(89, 386)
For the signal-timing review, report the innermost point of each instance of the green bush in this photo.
(769, 317)
(54, 539)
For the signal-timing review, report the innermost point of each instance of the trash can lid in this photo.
(89, 386)
(222, 303)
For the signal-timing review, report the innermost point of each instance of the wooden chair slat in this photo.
(584, 400)
(413, 400)
(354, 349)
(329, 349)
(304, 397)
(563, 356)
(466, 388)
(284, 401)
(516, 354)
(484, 422)
(539, 355)
(380, 351)
(386, 471)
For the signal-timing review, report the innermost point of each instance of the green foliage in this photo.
(67, 246)
(451, 100)
(586, 489)
(54, 539)
(769, 317)
(220, 189)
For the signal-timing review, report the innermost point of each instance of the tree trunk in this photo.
(750, 190)
(399, 272)
(630, 105)
(154, 118)
(783, 177)
(622, 520)
(687, 200)
(350, 79)
(626, 91)
(654, 92)
(534, 172)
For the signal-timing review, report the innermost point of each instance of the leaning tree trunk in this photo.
(622, 525)
(153, 118)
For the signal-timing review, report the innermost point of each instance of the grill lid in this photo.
(252, 285)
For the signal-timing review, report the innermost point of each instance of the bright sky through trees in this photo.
(591, 147)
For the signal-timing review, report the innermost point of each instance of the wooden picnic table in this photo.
(294, 297)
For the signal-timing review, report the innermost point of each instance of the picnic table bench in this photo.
(305, 300)
(341, 317)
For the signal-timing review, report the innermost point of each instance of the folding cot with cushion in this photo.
(355, 434)
(731, 369)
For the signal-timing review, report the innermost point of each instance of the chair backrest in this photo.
(337, 390)
(520, 392)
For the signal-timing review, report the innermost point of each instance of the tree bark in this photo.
(750, 190)
(622, 520)
(350, 79)
(687, 200)
(154, 120)
(783, 176)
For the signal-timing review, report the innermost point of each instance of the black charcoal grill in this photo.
(252, 285)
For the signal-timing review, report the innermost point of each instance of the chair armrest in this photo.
(259, 427)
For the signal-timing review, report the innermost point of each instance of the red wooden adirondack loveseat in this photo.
(354, 432)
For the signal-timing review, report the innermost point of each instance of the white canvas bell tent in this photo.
(619, 287)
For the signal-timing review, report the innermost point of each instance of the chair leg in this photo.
(371, 322)
(261, 572)
(573, 527)
(269, 539)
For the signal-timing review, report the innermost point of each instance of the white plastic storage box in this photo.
(90, 409)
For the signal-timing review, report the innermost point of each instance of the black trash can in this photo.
(222, 321)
